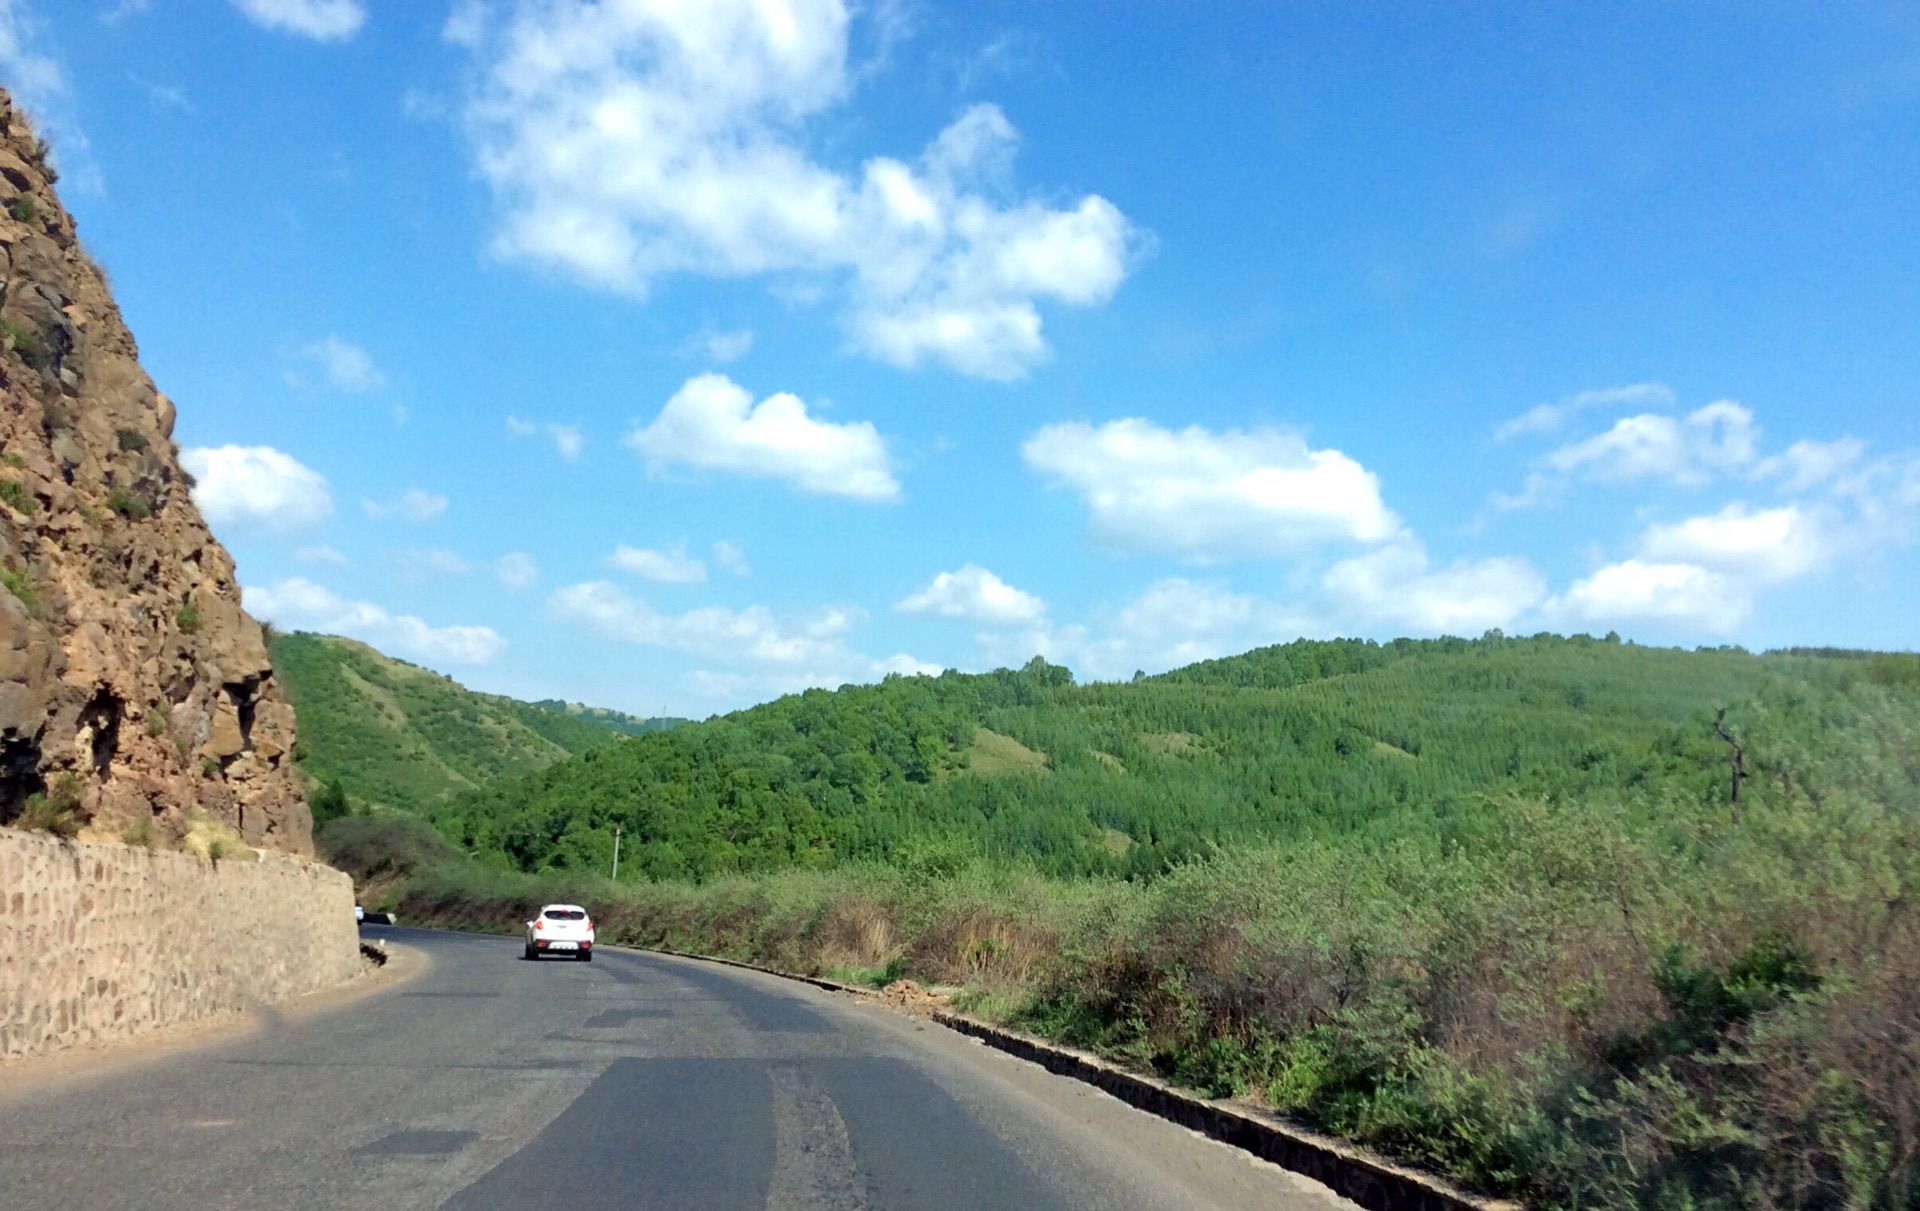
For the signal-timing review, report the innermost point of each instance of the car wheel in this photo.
(586, 956)
(528, 953)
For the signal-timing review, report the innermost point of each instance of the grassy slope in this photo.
(401, 736)
(1301, 740)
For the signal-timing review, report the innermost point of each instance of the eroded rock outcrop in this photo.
(132, 684)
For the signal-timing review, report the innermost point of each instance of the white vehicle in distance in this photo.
(561, 929)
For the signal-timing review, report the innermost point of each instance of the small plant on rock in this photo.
(22, 588)
(15, 493)
(23, 209)
(56, 811)
(131, 439)
(187, 618)
(129, 505)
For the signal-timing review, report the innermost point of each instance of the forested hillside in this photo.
(392, 734)
(1304, 740)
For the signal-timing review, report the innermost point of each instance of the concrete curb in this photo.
(1376, 1184)
(1372, 1182)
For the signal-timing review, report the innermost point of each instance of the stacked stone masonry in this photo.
(99, 942)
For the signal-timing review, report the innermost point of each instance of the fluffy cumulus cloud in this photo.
(1207, 496)
(1397, 586)
(1682, 595)
(298, 603)
(671, 566)
(257, 485)
(754, 634)
(974, 593)
(626, 141)
(415, 505)
(1806, 465)
(1713, 440)
(712, 424)
(321, 20)
(1760, 546)
(344, 365)
(567, 440)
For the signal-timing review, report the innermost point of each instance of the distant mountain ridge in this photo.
(1308, 739)
(619, 721)
(392, 734)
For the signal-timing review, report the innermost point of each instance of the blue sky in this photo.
(674, 360)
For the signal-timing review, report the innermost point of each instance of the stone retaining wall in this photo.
(102, 941)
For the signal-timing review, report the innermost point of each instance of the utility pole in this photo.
(616, 853)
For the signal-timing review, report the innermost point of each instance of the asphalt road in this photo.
(487, 1083)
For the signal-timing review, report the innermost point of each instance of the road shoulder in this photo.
(28, 1076)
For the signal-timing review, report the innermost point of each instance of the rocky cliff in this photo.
(133, 688)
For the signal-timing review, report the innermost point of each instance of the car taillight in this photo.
(589, 923)
(540, 924)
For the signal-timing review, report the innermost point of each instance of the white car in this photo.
(561, 929)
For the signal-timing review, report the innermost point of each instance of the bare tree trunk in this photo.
(1734, 757)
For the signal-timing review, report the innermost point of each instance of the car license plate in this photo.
(563, 946)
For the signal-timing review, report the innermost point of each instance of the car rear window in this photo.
(565, 914)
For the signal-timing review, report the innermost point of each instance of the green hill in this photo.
(396, 735)
(1409, 738)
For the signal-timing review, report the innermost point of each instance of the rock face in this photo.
(130, 678)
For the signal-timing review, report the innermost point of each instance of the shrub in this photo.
(142, 835)
(157, 720)
(22, 588)
(129, 505)
(131, 439)
(14, 459)
(187, 618)
(209, 767)
(57, 810)
(25, 342)
(23, 209)
(15, 493)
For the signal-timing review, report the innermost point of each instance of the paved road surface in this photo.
(636, 1081)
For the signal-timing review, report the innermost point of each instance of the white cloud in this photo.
(346, 365)
(1550, 418)
(732, 558)
(321, 554)
(1396, 585)
(627, 141)
(713, 424)
(566, 439)
(425, 564)
(673, 566)
(1807, 464)
(1678, 594)
(722, 347)
(975, 593)
(300, 604)
(321, 20)
(1172, 622)
(516, 571)
(1713, 440)
(1209, 496)
(414, 505)
(753, 634)
(1765, 547)
(39, 86)
(257, 485)
(906, 666)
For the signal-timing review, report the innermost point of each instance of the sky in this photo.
(672, 357)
